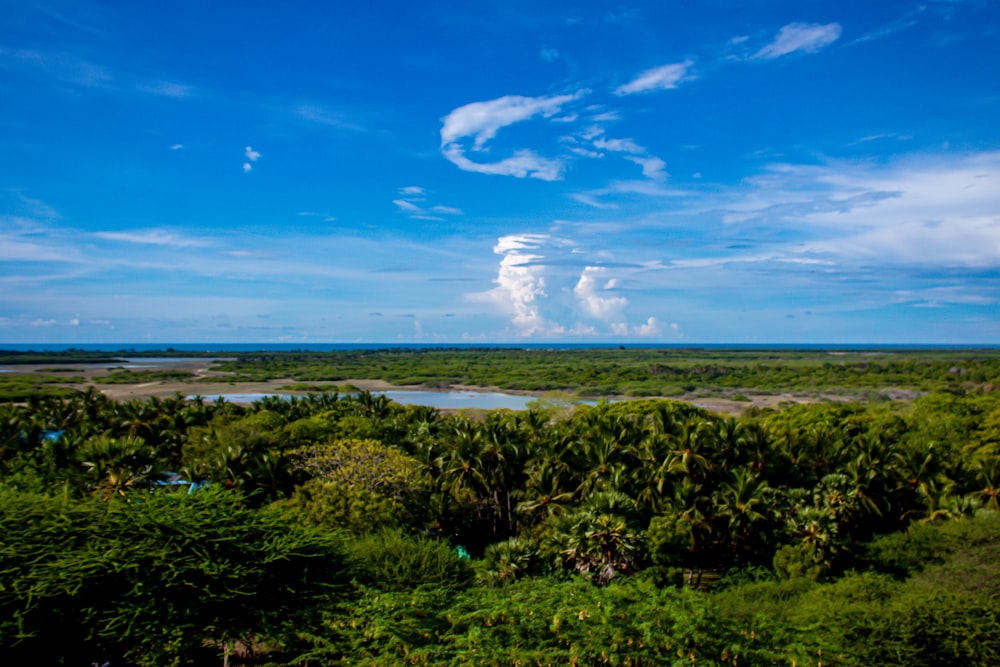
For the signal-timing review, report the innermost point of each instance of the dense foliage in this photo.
(351, 530)
(637, 372)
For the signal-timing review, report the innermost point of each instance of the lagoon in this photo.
(446, 400)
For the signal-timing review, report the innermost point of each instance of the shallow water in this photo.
(451, 400)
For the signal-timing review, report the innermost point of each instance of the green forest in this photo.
(345, 529)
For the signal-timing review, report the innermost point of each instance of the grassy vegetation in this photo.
(19, 387)
(639, 372)
(139, 377)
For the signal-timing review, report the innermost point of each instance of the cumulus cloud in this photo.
(805, 37)
(520, 282)
(593, 296)
(664, 77)
(251, 156)
(546, 286)
(650, 329)
(480, 122)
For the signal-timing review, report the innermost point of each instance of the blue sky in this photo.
(719, 171)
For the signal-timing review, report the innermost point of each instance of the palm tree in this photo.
(597, 540)
(741, 503)
(687, 455)
(545, 493)
(117, 465)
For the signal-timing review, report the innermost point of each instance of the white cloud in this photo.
(651, 328)
(606, 117)
(177, 147)
(520, 282)
(585, 152)
(940, 211)
(618, 145)
(919, 214)
(592, 201)
(658, 78)
(524, 164)
(409, 207)
(646, 188)
(247, 167)
(652, 167)
(251, 154)
(412, 194)
(157, 237)
(480, 121)
(592, 297)
(806, 37)
(549, 286)
(937, 296)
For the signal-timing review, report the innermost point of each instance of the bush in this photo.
(392, 561)
(163, 580)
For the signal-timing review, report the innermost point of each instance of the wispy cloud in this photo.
(618, 145)
(314, 113)
(480, 121)
(646, 188)
(805, 37)
(406, 206)
(904, 22)
(68, 68)
(411, 201)
(166, 89)
(156, 237)
(664, 77)
(315, 214)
